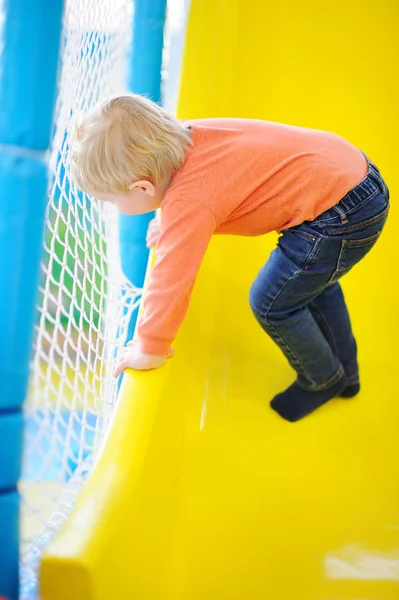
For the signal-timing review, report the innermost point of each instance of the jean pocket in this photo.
(352, 251)
(299, 246)
(372, 213)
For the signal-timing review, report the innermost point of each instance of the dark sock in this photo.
(295, 402)
(351, 390)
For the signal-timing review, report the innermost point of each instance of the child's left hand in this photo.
(132, 358)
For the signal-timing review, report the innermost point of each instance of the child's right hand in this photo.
(153, 232)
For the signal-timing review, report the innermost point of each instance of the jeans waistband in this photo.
(372, 183)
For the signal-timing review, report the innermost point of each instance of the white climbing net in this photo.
(84, 302)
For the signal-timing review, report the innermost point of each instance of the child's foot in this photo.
(351, 390)
(295, 403)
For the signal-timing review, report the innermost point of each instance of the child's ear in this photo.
(144, 186)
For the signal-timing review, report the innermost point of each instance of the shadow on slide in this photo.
(201, 490)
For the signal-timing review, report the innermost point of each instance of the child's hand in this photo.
(153, 232)
(132, 358)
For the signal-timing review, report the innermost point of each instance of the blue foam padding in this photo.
(144, 78)
(11, 440)
(9, 545)
(134, 254)
(21, 232)
(30, 36)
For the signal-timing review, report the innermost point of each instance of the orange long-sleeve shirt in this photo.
(242, 177)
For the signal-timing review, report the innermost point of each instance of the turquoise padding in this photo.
(9, 545)
(30, 41)
(11, 437)
(145, 78)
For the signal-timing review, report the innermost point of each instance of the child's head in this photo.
(125, 151)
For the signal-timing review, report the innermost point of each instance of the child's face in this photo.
(143, 197)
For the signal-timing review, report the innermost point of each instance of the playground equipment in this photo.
(200, 491)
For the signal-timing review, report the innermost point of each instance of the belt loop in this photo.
(341, 214)
(378, 180)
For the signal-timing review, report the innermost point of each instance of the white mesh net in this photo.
(84, 301)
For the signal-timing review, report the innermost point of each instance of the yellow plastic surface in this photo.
(202, 492)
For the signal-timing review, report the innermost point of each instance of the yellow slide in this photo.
(202, 492)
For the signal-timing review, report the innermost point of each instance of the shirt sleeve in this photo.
(186, 230)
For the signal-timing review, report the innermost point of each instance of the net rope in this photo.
(84, 302)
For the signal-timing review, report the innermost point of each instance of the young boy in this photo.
(242, 177)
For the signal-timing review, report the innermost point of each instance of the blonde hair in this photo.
(126, 139)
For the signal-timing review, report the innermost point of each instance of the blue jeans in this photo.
(297, 298)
